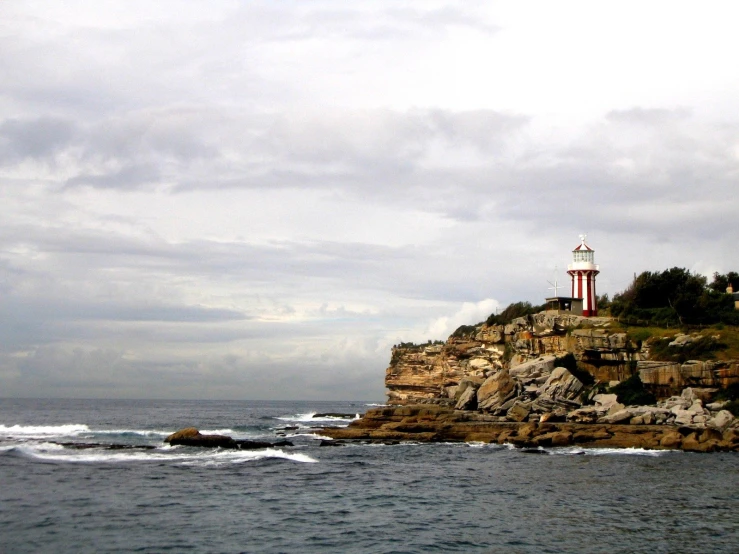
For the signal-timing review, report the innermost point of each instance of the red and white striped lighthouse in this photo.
(583, 271)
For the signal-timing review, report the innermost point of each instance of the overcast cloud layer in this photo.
(258, 199)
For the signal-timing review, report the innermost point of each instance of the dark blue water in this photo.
(359, 498)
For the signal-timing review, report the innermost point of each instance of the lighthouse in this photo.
(583, 271)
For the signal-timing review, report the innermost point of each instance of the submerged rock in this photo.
(336, 415)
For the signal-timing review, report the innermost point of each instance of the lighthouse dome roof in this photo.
(582, 247)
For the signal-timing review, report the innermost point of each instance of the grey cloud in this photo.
(39, 138)
(127, 178)
(82, 372)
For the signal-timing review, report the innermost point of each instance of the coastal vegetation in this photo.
(676, 297)
(631, 392)
(513, 311)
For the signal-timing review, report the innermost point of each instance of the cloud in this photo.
(259, 199)
(470, 313)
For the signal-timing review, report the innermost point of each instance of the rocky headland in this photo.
(550, 379)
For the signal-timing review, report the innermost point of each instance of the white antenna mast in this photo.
(555, 286)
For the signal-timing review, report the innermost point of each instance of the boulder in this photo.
(533, 368)
(480, 364)
(190, 436)
(621, 416)
(587, 414)
(495, 390)
(681, 340)
(721, 420)
(519, 411)
(467, 400)
(688, 395)
(696, 407)
(682, 417)
(468, 382)
(605, 400)
(561, 384)
(186, 433)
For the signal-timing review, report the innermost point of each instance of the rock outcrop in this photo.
(669, 378)
(526, 346)
(190, 436)
(433, 423)
(513, 374)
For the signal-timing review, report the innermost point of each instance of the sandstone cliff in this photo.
(514, 373)
(424, 373)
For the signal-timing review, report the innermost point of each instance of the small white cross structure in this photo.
(555, 286)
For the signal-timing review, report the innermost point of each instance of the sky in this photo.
(256, 200)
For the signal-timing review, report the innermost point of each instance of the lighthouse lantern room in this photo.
(583, 271)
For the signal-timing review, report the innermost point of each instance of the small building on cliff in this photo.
(734, 295)
(564, 304)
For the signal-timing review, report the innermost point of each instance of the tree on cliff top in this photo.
(514, 310)
(676, 297)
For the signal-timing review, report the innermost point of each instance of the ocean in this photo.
(363, 498)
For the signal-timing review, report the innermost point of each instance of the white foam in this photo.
(277, 453)
(39, 431)
(308, 435)
(570, 451)
(217, 432)
(141, 432)
(58, 453)
(309, 417)
(625, 452)
(377, 405)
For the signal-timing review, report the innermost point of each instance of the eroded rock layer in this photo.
(433, 423)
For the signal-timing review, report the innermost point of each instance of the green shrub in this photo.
(703, 348)
(729, 393)
(675, 297)
(464, 331)
(513, 311)
(639, 335)
(632, 392)
(733, 407)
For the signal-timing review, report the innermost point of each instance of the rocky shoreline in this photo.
(434, 423)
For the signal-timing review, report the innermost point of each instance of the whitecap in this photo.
(310, 417)
(39, 431)
(57, 453)
(625, 452)
(147, 433)
(573, 450)
(217, 431)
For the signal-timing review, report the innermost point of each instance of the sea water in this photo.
(410, 498)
